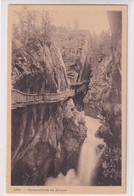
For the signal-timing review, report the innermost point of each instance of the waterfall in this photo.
(89, 157)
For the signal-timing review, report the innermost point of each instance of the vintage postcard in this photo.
(66, 107)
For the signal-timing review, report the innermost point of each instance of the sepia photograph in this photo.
(66, 99)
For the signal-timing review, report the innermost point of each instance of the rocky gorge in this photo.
(47, 138)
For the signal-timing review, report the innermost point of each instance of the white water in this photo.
(87, 162)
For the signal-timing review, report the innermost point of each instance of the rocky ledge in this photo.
(46, 138)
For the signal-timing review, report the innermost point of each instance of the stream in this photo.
(89, 157)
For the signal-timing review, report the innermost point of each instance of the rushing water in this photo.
(89, 157)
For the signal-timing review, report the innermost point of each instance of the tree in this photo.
(46, 30)
(32, 24)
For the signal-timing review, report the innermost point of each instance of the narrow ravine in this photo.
(63, 79)
(89, 156)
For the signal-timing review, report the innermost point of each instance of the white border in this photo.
(130, 83)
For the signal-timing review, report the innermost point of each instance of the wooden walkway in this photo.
(20, 99)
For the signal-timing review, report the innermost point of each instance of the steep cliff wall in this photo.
(38, 64)
(103, 99)
(75, 47)
(46, 138)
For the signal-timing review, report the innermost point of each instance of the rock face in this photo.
(38, 64)
(103, 100)
(75, 48)
(46, 138)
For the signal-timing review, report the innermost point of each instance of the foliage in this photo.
(31, 24)
(110, 168)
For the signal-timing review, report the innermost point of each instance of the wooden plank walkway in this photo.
(21, 99)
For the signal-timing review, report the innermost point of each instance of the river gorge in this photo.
(88, 160)
(66, 104)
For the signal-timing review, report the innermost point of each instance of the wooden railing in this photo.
(20, 99)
